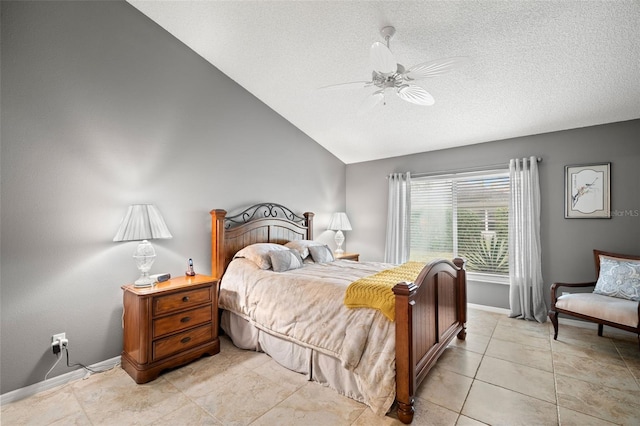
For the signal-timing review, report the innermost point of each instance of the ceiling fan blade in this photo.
(370, 102)
(415, 94)
(433, 68)
(349, 85)
(382, 60)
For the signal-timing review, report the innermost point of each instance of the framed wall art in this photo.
(587, 190)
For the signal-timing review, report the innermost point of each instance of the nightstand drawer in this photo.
(182, 300)
(182, 341)
(181, 321)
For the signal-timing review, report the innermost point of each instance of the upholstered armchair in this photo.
(615, 300)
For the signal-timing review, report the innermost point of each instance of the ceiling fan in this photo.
(390, 76)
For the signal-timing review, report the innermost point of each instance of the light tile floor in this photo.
(507, 372)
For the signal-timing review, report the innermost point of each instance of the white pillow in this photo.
(259, 253)
(321, 254)
(619, 277)
(285, 260)
(302, 246)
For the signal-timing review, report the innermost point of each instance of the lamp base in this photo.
(144, 257)
(339, 240)
(144, 282)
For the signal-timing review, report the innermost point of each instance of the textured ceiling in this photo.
(533, 67)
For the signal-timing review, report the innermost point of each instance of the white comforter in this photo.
(306, 306)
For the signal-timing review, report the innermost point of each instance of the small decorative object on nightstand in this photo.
(190, 271)
(169, 324)
(348, 256)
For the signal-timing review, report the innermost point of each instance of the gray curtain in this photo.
(526, 295)
(397, 244)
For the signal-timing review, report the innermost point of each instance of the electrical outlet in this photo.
(57, 338)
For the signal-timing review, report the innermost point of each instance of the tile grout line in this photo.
(81, 404)
(516, 363)
(475, 375)
(188, 398)
(204, 409)
(555, 377)
(115, 369)
(626, 364)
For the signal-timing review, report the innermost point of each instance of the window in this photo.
(464, 215)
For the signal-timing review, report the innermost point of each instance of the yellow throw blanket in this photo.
(375, 291)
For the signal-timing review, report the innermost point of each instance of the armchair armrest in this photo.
(555, 286)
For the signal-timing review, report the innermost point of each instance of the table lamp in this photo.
(339, 222)
(143, 222)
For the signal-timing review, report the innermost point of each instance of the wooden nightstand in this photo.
(169, 324)
(348, 256)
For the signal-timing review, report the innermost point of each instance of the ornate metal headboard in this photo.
(260, 223)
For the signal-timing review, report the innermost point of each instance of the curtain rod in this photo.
(468, 169)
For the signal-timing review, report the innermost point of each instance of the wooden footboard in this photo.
(429, 313)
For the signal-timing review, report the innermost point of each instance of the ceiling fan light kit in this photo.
(389, 75)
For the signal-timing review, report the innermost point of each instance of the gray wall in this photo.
(567, 244)
(102, 108)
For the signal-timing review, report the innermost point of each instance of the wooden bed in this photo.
(430, 312)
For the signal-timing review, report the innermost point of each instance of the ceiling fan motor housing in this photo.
(387, 33)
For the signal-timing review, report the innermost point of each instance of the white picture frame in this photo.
(587, 191)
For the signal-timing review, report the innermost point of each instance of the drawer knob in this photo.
(185, 339)
(185, 299)
(185, 319)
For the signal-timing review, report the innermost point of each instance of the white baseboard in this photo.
(57, 381)
(489, 308)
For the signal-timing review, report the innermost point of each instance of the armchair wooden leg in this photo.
(600, 327)
(553, 316)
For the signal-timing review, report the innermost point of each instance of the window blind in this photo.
(462, 215)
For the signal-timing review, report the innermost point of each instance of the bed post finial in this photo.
(462, 298)
(217, 242)
(309, 217)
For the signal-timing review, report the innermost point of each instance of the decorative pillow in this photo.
(284, 260)
(259, 253)
(619, 278)
(302, 246)
(321, 254)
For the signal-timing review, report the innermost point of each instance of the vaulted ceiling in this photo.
(531, 66)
